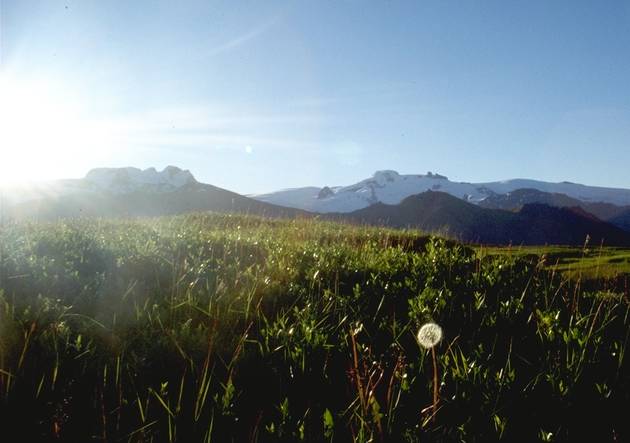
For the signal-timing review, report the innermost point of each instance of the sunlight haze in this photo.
(267, 95)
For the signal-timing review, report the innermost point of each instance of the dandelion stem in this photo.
(435, 383)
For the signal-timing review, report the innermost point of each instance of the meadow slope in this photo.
(238, 328)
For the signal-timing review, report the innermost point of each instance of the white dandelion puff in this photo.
(429, 335)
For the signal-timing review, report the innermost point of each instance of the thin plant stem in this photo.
(435, 383)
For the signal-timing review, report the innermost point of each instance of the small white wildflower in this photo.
(60, 327)
(429, 335)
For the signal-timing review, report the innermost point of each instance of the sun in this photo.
(43, 134)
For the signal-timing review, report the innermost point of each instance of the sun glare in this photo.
(42, 132)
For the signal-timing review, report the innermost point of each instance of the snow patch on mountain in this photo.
(293, 197)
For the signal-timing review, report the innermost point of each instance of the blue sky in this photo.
(257, 96)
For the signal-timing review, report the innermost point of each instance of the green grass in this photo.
(234, 328)
(589, 262)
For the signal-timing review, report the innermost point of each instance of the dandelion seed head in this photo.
(429, 335)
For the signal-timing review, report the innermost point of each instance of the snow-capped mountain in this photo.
(103, 180)
(390, 187)
(128, 192)
(121, 180)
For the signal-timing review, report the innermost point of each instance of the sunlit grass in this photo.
(236, 328)
(580, 262)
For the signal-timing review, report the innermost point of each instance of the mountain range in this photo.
(130, 192)
(390, 187)
(507, 212)
(513, 201)
(532, 224)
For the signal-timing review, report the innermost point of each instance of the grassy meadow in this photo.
(219, 328)
(590, 262)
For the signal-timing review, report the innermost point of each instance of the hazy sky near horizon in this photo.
(257, 96)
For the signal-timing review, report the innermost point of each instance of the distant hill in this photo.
(130, 192)
(533, 224)
(622, 220)
(515, 200)
(146, 203)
